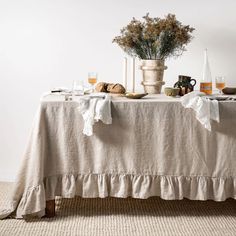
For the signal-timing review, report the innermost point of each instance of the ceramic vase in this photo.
(153, 72)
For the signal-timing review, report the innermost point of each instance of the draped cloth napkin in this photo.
(93, 108)
(205, 109)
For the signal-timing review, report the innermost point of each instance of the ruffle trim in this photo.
(111, 185)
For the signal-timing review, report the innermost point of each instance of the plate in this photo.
(135, 95)
(218, 98)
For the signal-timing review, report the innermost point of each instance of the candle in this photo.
(125, 72)
(133, 74)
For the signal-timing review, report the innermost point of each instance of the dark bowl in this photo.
(229, 90)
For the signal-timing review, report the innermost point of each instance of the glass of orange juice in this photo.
(220, 83)
(92, 78)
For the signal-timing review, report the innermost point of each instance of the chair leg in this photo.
(50, 208)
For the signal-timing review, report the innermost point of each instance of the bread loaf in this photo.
(101, 87)
(110, 88)
(115, 88)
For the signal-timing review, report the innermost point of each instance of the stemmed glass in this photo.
(92, 79)
(220, 83)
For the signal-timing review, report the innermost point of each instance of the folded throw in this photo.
(206, 109)
(94, 108)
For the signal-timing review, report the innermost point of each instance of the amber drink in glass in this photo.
(92, 78)
(220, 83)
(206, 87)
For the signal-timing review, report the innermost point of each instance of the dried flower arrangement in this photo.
(154, 38)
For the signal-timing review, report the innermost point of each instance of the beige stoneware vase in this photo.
(153, 72)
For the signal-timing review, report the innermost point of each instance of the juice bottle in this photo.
(206, 87)
(206, 82)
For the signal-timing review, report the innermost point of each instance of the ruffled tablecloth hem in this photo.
(121, 185)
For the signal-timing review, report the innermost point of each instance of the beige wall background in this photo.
(48, 43)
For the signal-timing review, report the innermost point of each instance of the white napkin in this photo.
(205, 109)
(93, 108)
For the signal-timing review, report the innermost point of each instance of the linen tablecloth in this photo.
(154, 147)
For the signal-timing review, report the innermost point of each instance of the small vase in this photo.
(153, 72)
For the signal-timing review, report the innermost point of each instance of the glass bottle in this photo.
(206, 82)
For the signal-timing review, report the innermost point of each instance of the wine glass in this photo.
(92, 79)
(220, 83)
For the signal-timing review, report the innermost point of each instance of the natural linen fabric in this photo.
(154, 147)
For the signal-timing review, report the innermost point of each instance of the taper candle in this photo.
(125, 72)
(132, 74)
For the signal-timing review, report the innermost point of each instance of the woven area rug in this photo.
(127, 217)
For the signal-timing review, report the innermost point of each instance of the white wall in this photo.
(49, 43)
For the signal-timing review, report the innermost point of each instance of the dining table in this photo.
(154, 147)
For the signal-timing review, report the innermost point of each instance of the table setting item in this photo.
(221, 98)
(78, 88)
(220, 83)
(94, 107)
(185, 84)
(229, 90)
(173, 92)
(135, 95)
(205, 109)
(218, 98)
(231, 99)
(92, 80)
(110, 88)
(59, 91)
(56, 90)
(206, 82)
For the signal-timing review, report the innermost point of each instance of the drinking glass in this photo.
(78, 87)
(92, 79)
(220, 83)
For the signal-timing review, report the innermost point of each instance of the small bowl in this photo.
(229, 90)
(171, 91)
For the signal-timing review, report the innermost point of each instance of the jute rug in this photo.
(127, 217)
